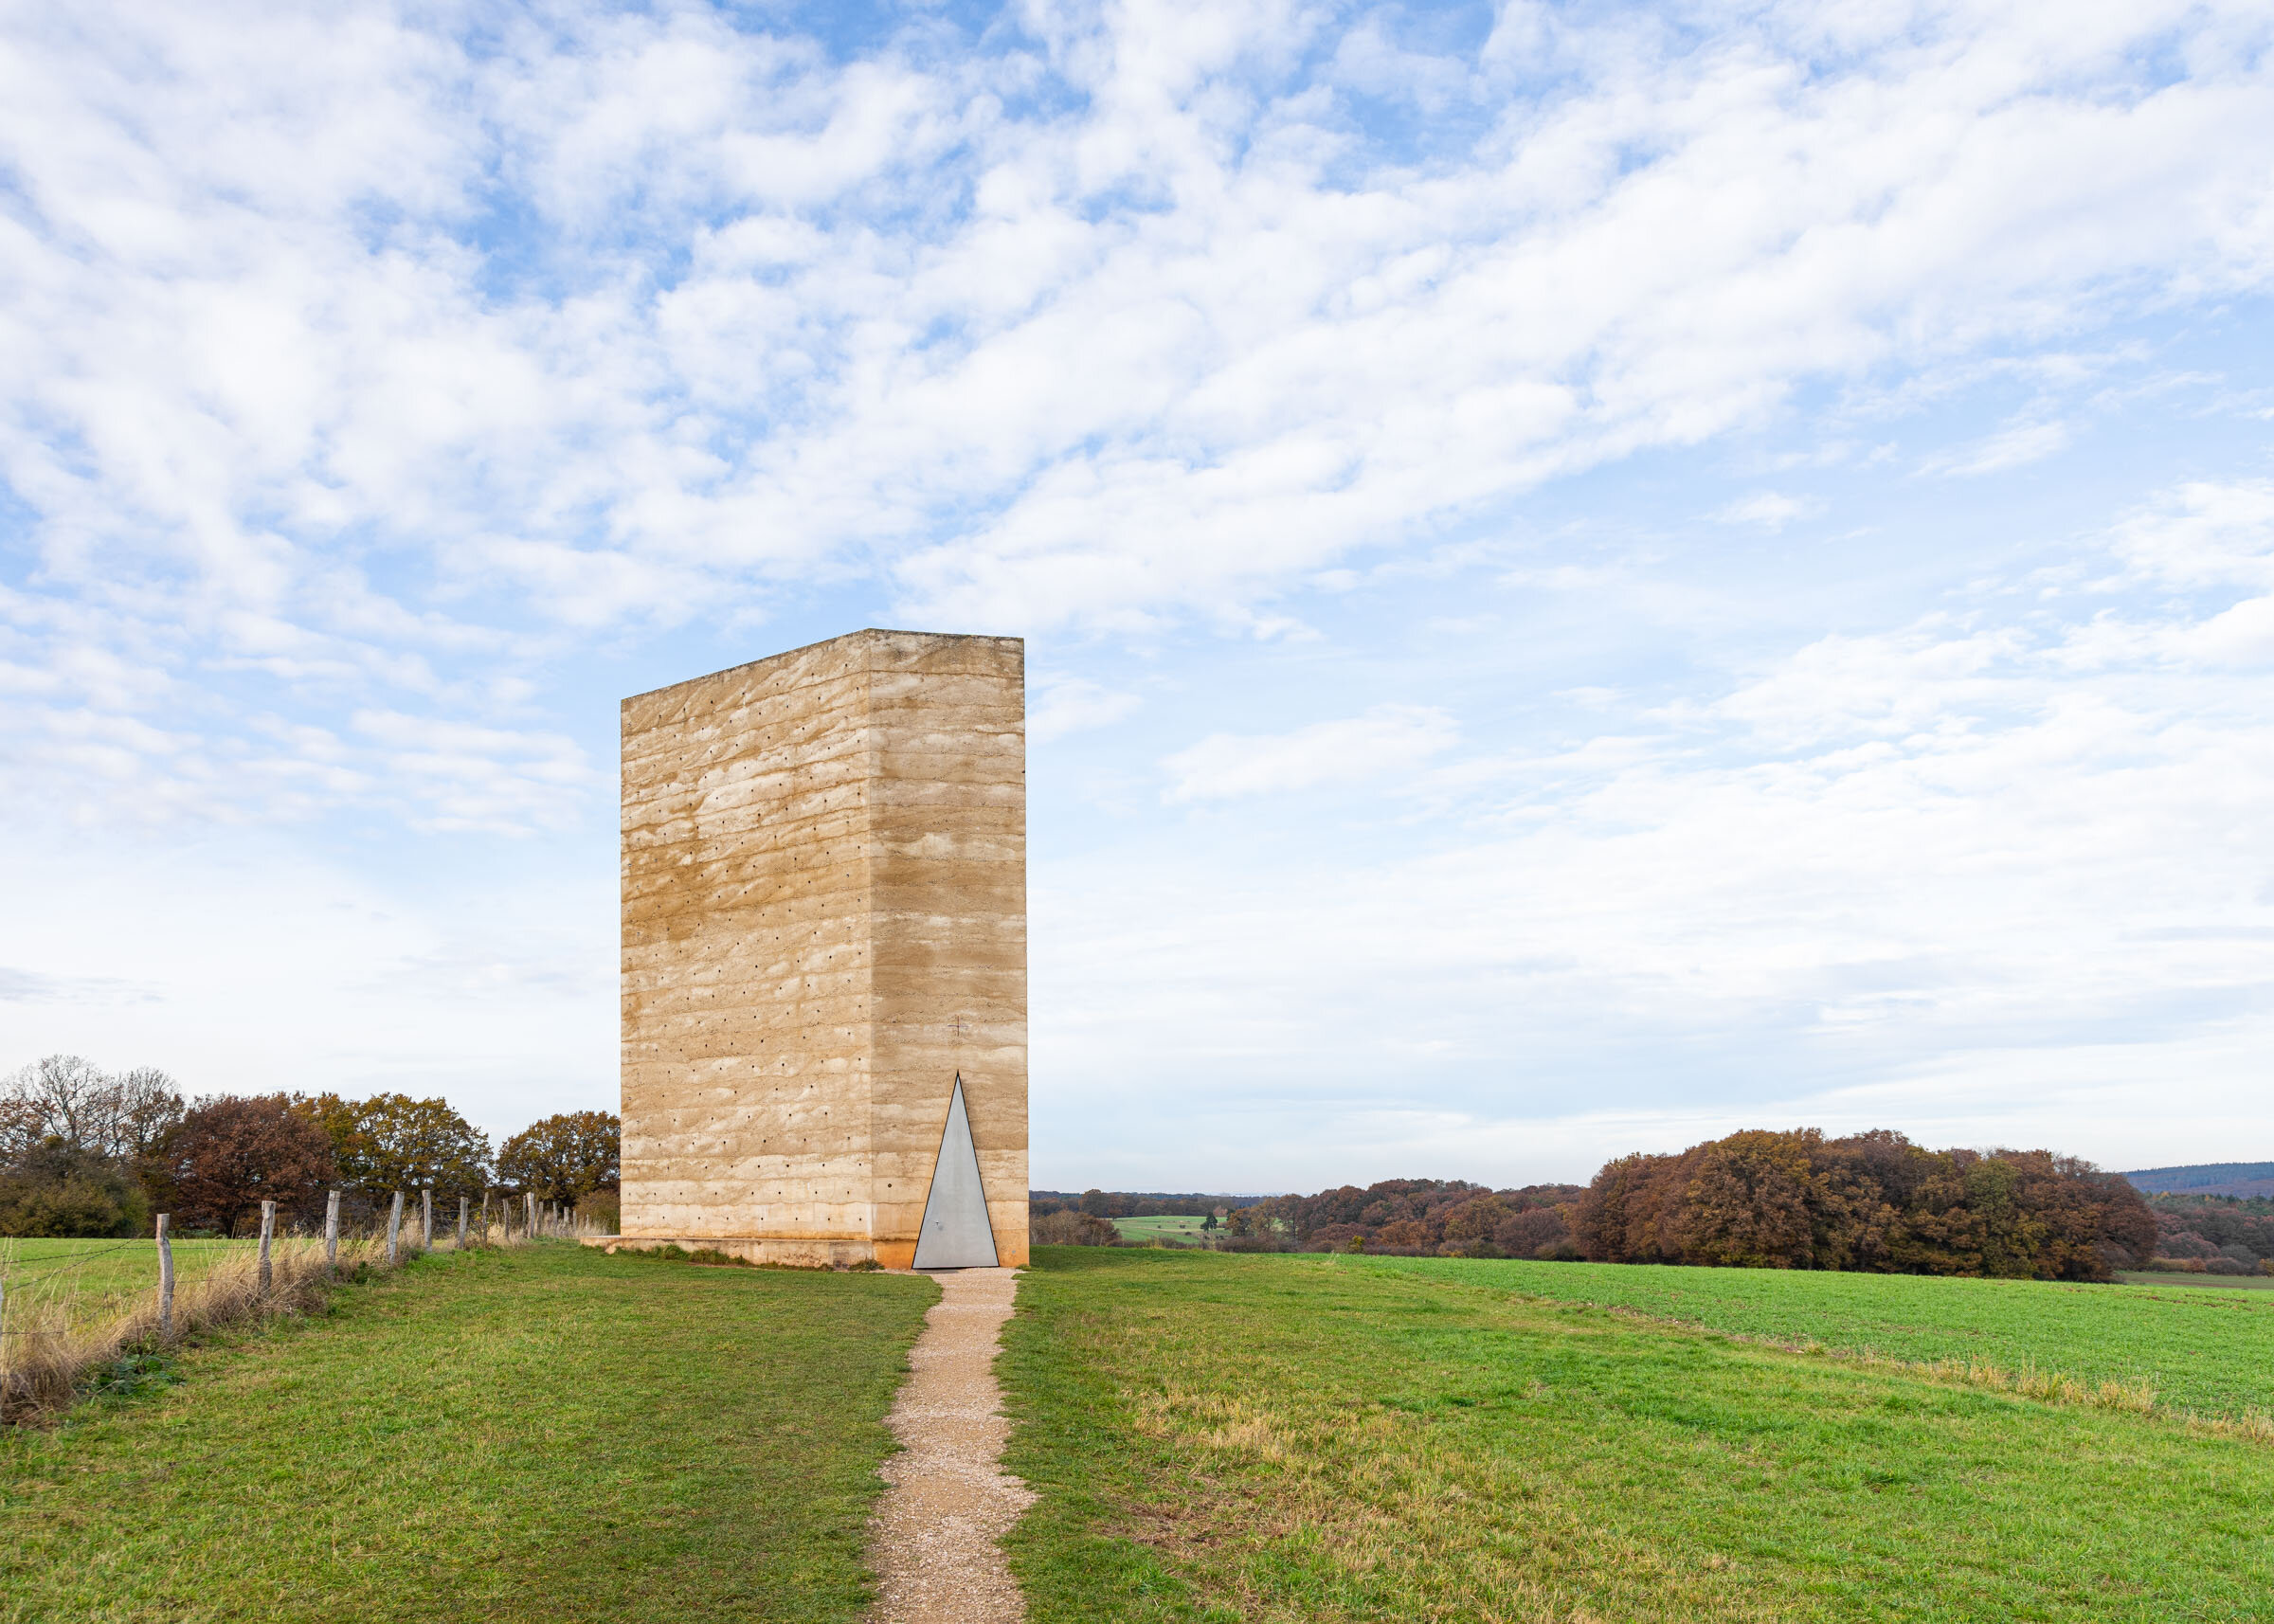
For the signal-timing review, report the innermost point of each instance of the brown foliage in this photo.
(77, 1146)
(1066, 1227)
(1873, 1202)
(1430, 1218)
(2216, 1235)
(231, 1152)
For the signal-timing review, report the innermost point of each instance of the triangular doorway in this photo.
(956, 1234)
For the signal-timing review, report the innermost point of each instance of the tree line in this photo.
(1873, 1202)
(1773, 1200)
(2213, 1235)
(1131, 1204)
(86, 1152)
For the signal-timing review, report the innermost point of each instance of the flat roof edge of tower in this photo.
(821, 643)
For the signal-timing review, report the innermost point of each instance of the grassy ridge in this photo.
(1306, 1438)
(547, 1434)
(2202, 1350)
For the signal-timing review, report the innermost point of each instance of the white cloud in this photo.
(375, 382)
(240, 962)
(1063, 705)
(555, 325)
(2014, 447)
(1947, 876)
(1771, 509)
(1382, 748)
(2204, 535)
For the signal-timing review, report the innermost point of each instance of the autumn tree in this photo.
(1258, 1226)
(1071, 1226)
(230, 1152)
(1794, 1199)
(77, 1146)
(565, 1157)
(393, 1141)
(67, 1101)
(1473, 1228)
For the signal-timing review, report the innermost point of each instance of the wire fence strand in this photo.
(22, 1280)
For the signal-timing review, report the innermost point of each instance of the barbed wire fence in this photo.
(231, 1278)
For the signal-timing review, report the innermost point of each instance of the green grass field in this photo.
(2202, 1350)
(549, 1433)
(103, 1266)
(1277, 1438)
(544, 1434)
(54, 1283)
(1161, 1228)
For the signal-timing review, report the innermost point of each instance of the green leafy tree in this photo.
(393, 1141)
(53, 1190)
(565, 1157)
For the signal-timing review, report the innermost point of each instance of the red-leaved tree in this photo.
(231, 1152)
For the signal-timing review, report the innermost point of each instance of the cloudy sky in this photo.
(1594, 575)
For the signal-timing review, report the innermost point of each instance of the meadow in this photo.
(1275, 1438)
(540, 1434)
(2200, 1349)
(1166, 1228)
(545, 1433)
(84, 1279)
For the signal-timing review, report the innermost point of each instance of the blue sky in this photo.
(1593, 575)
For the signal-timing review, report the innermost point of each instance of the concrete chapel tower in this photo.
(824, 955)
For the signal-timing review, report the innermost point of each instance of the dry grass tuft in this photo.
(2028, 1381)
(2256, 1425)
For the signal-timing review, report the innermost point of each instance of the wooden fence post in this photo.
(165, 1274)
(332, 1228)
(268, 1229)
(426, 1218)
(461, 1223)
(394, 1231)
(531, 1199)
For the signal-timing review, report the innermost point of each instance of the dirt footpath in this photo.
(933, 1538)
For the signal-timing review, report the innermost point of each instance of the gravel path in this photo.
(946, 1504)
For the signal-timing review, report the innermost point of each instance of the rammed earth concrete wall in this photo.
(825, 922)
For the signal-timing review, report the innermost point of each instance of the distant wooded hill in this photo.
(2209, 1179)
(1131, 1204)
